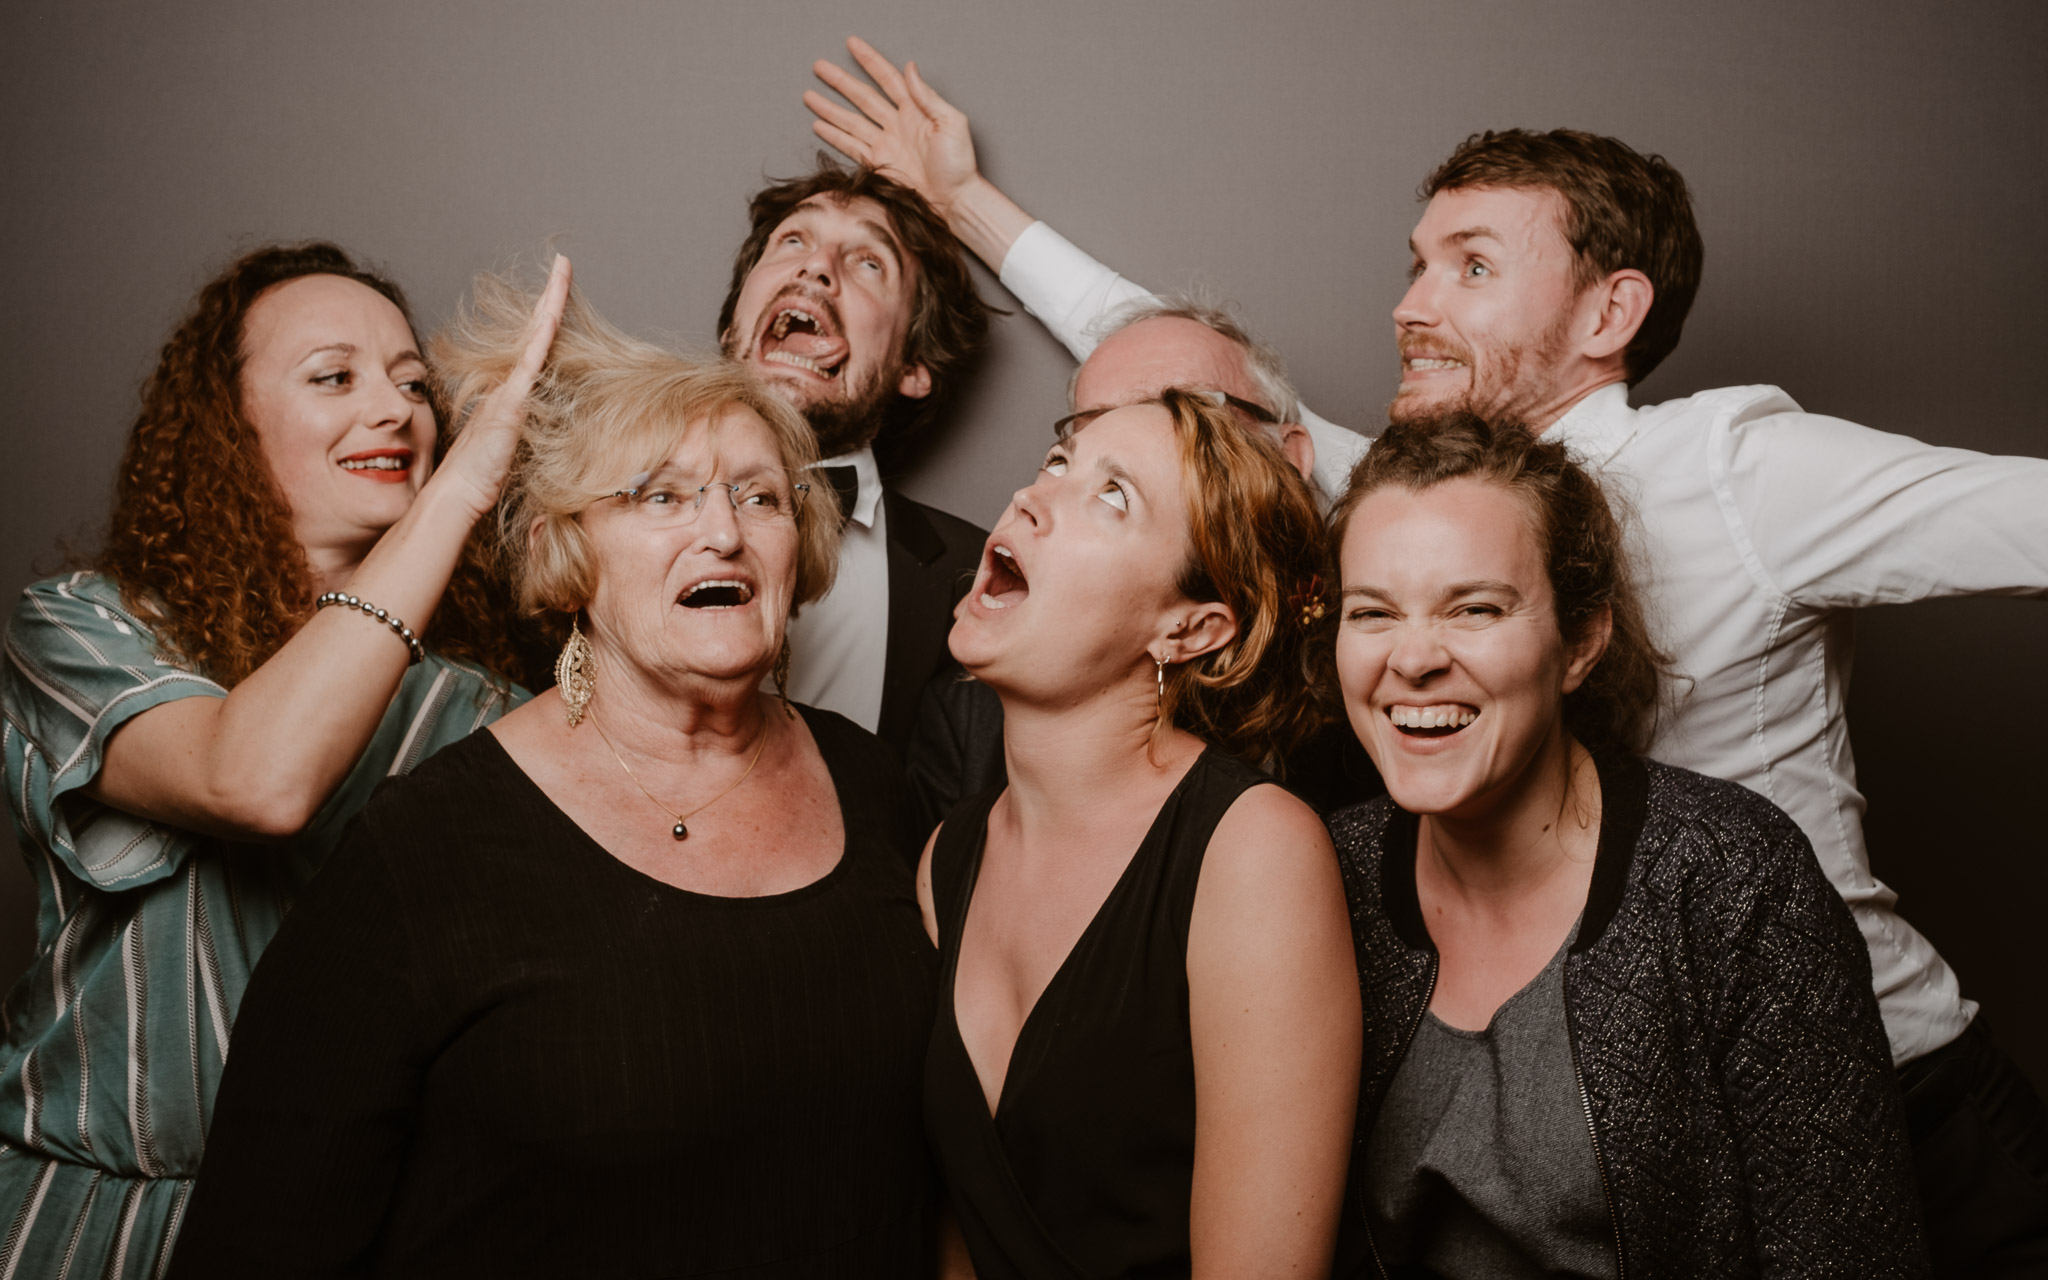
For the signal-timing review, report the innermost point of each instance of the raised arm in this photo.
(1275, 1014)
(906, 128)
(259, 763)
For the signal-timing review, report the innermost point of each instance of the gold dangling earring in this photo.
(781, 677)
(1159, 670)
(575, 675)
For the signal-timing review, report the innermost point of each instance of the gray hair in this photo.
(1262, 364)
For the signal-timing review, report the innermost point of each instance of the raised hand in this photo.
(482, 453)
(907, 129)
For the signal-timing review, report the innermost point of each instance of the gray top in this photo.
(1481, 1162)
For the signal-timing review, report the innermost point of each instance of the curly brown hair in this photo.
(1255, 539)
(1584, 545)
(201, 541)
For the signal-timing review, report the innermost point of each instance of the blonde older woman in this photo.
(634, 983)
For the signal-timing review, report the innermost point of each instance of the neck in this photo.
(1068, 763)
(676, 720)
(1559, 400)
(1499, 850)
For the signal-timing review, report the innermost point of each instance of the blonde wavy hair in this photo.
(607, 407)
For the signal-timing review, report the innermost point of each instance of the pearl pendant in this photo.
(679, 831)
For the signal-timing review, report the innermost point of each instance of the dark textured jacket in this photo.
(1731, 1062)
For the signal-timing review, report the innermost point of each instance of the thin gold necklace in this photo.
(679, 831)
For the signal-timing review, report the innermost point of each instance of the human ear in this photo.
(916, 383)
(1200, 629)
(1592, 645)
(1298, 448)
(1619, 305)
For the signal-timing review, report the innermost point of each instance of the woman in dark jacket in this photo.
(1617, 1023)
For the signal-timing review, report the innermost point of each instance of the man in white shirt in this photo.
(852, 300)
(1551, 271)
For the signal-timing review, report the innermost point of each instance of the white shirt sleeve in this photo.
(1841, 516)
(1069, 293)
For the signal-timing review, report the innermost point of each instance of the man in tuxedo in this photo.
(852, 300)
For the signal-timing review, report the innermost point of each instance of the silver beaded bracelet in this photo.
(412, 642)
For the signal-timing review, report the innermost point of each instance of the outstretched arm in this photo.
(259, 763)
(1274, 1009)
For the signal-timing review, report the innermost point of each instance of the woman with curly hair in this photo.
(188, 725)
(1146, 1054)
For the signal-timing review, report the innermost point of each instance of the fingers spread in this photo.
(883, 70)
(857, 91)
(839, 117)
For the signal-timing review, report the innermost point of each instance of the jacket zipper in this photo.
(1365, 1216)
(1599, 1161)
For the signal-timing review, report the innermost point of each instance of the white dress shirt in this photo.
(839, 644)
(1762, 528)
(1068, 292)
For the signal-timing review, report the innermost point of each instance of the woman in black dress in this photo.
(634, 983)
(1147, 1044)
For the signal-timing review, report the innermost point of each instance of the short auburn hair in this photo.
(607, 407)
(1623, 210)
(1580, 538)
(201, 540)
(1254, 537)
(948, 319)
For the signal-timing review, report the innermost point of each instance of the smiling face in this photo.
(822, 317)
(700, 596)
(333, 383)
(1488, 322)
(1452, 665)
(1079, 583)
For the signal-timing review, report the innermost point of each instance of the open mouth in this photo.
(717, 593)
(1439, 720)
(389, 466)
(1002, 579)
(804, 334)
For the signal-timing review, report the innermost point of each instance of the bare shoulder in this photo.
(1267, 830)
(1269, 856)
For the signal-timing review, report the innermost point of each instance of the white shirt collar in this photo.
(1597, 426)
(868, 476)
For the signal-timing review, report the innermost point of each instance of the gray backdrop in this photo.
(1870, 178)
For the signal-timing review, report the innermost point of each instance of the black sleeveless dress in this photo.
(1087, 1166)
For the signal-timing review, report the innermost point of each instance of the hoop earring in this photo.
(575, 675)
(781, 677)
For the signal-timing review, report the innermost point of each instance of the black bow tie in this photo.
(845, 481)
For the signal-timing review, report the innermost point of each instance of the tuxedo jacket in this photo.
(933, 558)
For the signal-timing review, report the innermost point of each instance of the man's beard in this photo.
(1508, 396)
(843, 426)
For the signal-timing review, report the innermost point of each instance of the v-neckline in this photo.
(1088, 931)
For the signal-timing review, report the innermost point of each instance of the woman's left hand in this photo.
(481, 454)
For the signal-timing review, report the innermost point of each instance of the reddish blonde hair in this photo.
(201, 540)
(1255, 544)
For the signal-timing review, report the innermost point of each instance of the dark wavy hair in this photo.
(1255, 539)
(1583, 546)
(201, 540)
(948, 319)
(1623, 209)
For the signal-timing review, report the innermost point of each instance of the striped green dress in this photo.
(115, 1038)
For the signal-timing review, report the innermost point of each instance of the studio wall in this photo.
(1870, 179)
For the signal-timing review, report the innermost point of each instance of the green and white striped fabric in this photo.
(115, 1038)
